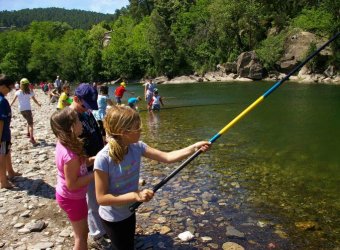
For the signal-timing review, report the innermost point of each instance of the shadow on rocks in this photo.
(37, 187)
(161, 241)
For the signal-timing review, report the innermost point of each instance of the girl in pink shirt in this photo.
(73, 178)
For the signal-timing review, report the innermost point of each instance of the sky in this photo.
(102, 6)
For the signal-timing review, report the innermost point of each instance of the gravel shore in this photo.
(31, 219)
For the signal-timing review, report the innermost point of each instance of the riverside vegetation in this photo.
(159, 37)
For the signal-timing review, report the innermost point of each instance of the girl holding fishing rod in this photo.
(117, 168)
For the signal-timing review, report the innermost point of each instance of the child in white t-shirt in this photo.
(24, 96)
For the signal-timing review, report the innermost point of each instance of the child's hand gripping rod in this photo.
(135, 205)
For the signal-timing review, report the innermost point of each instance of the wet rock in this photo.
(165, 230)
(307, 225)
(206, 239)
(232, 232)
(186, 236)
(232, 246)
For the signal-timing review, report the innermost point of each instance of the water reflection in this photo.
(153, 124)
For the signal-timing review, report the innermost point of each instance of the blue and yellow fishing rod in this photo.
(135, 205)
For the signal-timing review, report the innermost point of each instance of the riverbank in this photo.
(302, 77)
(31, 218)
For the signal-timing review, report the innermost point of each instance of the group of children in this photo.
(97, 180)
(116, 166)
(152, 97)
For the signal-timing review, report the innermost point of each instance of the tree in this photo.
(15, 53)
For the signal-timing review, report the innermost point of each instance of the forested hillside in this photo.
(78, 19)
(166, 37)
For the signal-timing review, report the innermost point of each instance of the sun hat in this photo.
(24, 81)
(123, 84)
(88, 95)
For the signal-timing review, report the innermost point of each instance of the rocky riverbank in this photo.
(302, 77)
(31, 219)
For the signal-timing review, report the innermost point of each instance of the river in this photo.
(279, 166)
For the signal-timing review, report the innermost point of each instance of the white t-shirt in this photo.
(24, 100)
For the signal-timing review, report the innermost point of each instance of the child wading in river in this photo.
(73, 178)
(117, 168)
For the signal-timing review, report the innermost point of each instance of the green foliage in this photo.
(314, 20)
(157, 37)
(78, 19)
(15, 53)
(312, 63)
(270, 50)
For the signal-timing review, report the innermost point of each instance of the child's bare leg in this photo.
(4, 183)
(80, 229)
(9, 167)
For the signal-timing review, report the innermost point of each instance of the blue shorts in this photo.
(156, 107)
(5, 147)
(118, 99)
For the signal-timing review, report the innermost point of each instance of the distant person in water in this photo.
(148, 91)
(156, 101)
(103, 100)
(132, 102)
(119, 92)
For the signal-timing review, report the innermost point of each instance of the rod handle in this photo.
(134, 206)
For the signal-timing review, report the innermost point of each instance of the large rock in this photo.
(296, 48)
(184, 79)
(229, 67)
(249, 66)
(161, 79)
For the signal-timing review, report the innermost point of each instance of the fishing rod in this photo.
(135, 205)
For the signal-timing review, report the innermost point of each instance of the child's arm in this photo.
(161, 101)
(73, 181)
(35, 100)
(90, 160)
(109, 101)
(104, 198)
(177, 155)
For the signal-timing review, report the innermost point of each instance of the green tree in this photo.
(314, 20)
(15, 53)
(71, 56)
(119, 59)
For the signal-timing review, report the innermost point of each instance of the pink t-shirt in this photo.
(62, 156)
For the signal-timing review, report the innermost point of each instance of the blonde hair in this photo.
(25, 87)
(118, 120)
(62, 126)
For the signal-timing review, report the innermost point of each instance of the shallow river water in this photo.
(278, 169)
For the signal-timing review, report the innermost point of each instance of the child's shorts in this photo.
(75, 209)
(118, 99)
(156, 107)
(27, 114)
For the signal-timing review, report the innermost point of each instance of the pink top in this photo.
(62, 156)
